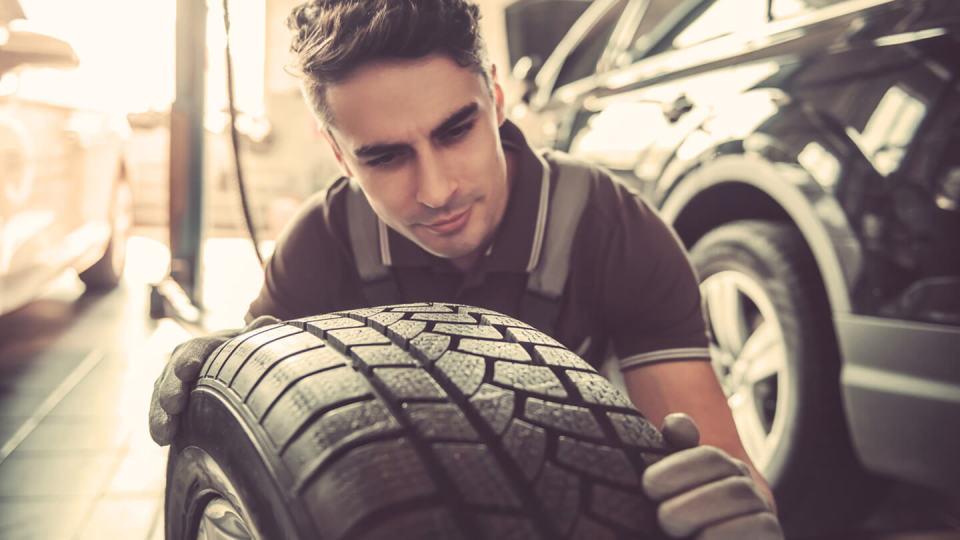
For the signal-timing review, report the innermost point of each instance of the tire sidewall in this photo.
(193, 482)
(214, 456)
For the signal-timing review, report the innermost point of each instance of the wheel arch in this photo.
(742, 186)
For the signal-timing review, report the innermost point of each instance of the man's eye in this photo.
(457, 132)
(385, 159)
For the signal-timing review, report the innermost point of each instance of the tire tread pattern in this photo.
(442, 419)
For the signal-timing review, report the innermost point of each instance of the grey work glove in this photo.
(703, 492)
(172, 388)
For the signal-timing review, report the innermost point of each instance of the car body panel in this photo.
(903, 414)
(60, 165)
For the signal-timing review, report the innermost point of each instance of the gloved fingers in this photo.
(171, 390)
(170, 394)
(188, 358)
(261, 321)
(762, 526)
(689, 512)
(163, 426)
(680, 431)
(687, 469)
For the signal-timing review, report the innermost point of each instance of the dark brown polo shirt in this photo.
(630, 283)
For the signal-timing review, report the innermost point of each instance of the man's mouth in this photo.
(451, 223)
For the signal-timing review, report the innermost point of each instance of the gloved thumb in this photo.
(680, 431)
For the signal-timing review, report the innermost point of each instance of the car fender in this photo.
(816, 213)
(796, 156)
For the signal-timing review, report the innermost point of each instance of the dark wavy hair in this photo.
(331, 38)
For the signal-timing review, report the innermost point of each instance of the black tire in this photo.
(423, 421)
(817, 480)
(106, 273)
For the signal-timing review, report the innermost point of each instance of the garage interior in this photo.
(77, 366)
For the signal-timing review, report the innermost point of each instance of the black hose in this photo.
(235, 140)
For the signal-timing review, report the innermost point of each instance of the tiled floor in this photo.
(76, 374)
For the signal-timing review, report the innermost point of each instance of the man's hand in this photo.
(172, 388)
(705, 493)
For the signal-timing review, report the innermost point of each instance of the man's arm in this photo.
(652, 311)
(691, 387)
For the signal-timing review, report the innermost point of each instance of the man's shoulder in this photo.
(599, 176)
(319, 217)
(336, 189)
(330, 196)
(564, 161)
(316, 209)
(310, 255)
(608, 198)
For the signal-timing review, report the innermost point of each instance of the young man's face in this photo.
(421, 137)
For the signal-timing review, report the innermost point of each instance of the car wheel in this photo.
(775, 355)
(107, 272)
(420, 420)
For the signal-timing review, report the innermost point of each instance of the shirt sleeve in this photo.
(308, 269)
(650, 292)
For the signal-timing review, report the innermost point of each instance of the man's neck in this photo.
(467, 263)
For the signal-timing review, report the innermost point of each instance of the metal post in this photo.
(186, 148)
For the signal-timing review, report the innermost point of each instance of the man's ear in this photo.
(335, 146)
(497, 94)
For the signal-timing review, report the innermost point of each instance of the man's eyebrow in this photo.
(378, 149)
(462, 114)
(374, 150)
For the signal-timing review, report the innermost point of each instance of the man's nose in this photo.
(436, 185)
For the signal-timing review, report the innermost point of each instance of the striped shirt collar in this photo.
(518, 242)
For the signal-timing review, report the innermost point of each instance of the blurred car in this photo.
(64, 199)
(807, 152)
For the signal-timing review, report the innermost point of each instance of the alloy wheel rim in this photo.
(749, 356)
(221, 521)
(223, 514)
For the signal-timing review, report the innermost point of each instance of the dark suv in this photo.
(807, 152)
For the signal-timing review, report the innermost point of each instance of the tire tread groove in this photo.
(521, 488)
(421, 446)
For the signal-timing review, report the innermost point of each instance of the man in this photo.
(415, 118)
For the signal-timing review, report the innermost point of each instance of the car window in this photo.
(535, 27)
(782, 9)
(582, 61)
(721, 18)
(658, 16)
